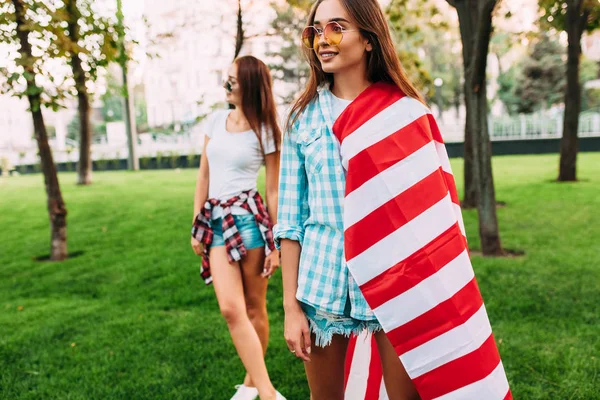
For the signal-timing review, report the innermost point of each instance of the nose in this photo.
(322, 40)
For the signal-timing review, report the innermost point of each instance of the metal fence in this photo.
(521, 127)
(541, 126)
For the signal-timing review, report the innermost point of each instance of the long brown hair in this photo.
(258, 102)
(382, 61)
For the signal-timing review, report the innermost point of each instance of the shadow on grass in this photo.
(584, 180)
(508, 253)
(46, 257)
(499, 204)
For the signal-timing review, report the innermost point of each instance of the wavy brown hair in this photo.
(258, 102)
(382, 61)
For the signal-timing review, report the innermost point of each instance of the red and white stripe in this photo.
(364, 377)
(405, 245)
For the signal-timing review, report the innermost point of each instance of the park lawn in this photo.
(129, 318)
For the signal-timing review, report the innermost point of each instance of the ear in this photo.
(368, 44)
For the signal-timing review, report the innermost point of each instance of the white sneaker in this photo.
(279, 396)
(245, 393)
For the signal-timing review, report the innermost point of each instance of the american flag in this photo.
(363, 374)
(406, 248)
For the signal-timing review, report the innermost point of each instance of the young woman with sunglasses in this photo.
(361, 157)
(232, 226)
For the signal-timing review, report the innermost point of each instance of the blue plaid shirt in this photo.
(312, 184)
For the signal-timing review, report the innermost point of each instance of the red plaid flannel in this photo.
(202, 229)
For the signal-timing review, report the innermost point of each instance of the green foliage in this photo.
(112, 101)
(173, 159)
(141, 111)
(591, 100)
(74, 128)
(541, 83)
(191, 159)
(507, 82)
(96, 43)
(413, 23)
(28, 75)
(443, 60)
(554, 14)
(47, 24)
(290, 65)
(51, 131)
(145, 162)
(590, 70)
(538, 80)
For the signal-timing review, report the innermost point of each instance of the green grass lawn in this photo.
(130, 319)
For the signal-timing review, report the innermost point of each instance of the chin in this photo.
(330, 68)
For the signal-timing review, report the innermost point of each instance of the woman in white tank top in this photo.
(232, 225)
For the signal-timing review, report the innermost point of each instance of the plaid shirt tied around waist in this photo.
(250, 201)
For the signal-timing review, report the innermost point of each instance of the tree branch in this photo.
(267, 34)
(582, 22)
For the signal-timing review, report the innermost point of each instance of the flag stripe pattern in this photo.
(405, 246)
(363, 373)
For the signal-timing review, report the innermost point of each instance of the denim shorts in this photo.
(246, 225)
(324, 325)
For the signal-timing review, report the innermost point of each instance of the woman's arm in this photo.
(272, 184)
(201, 193)
(289, 233)
(272, 188)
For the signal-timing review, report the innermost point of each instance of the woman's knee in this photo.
(256, 308)
(233, 313)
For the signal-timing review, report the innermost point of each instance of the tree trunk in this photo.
(486, 207)
(467, 25)
(569, 141)
(84, 168)
(457, 93)
(133, 163)
(475, 19)
(56, 206)
(470, 189)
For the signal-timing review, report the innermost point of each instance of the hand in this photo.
(271, 264)
(297, 334)
(197, 246)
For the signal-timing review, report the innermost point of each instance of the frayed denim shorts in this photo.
(324, 325)
(246, 225)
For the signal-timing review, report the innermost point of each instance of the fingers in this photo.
(297, 348)
(197, 247)
(299, 352)
(270, 266)
(293, 344)
(306, 343)
(266, 273)
(296, 338)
